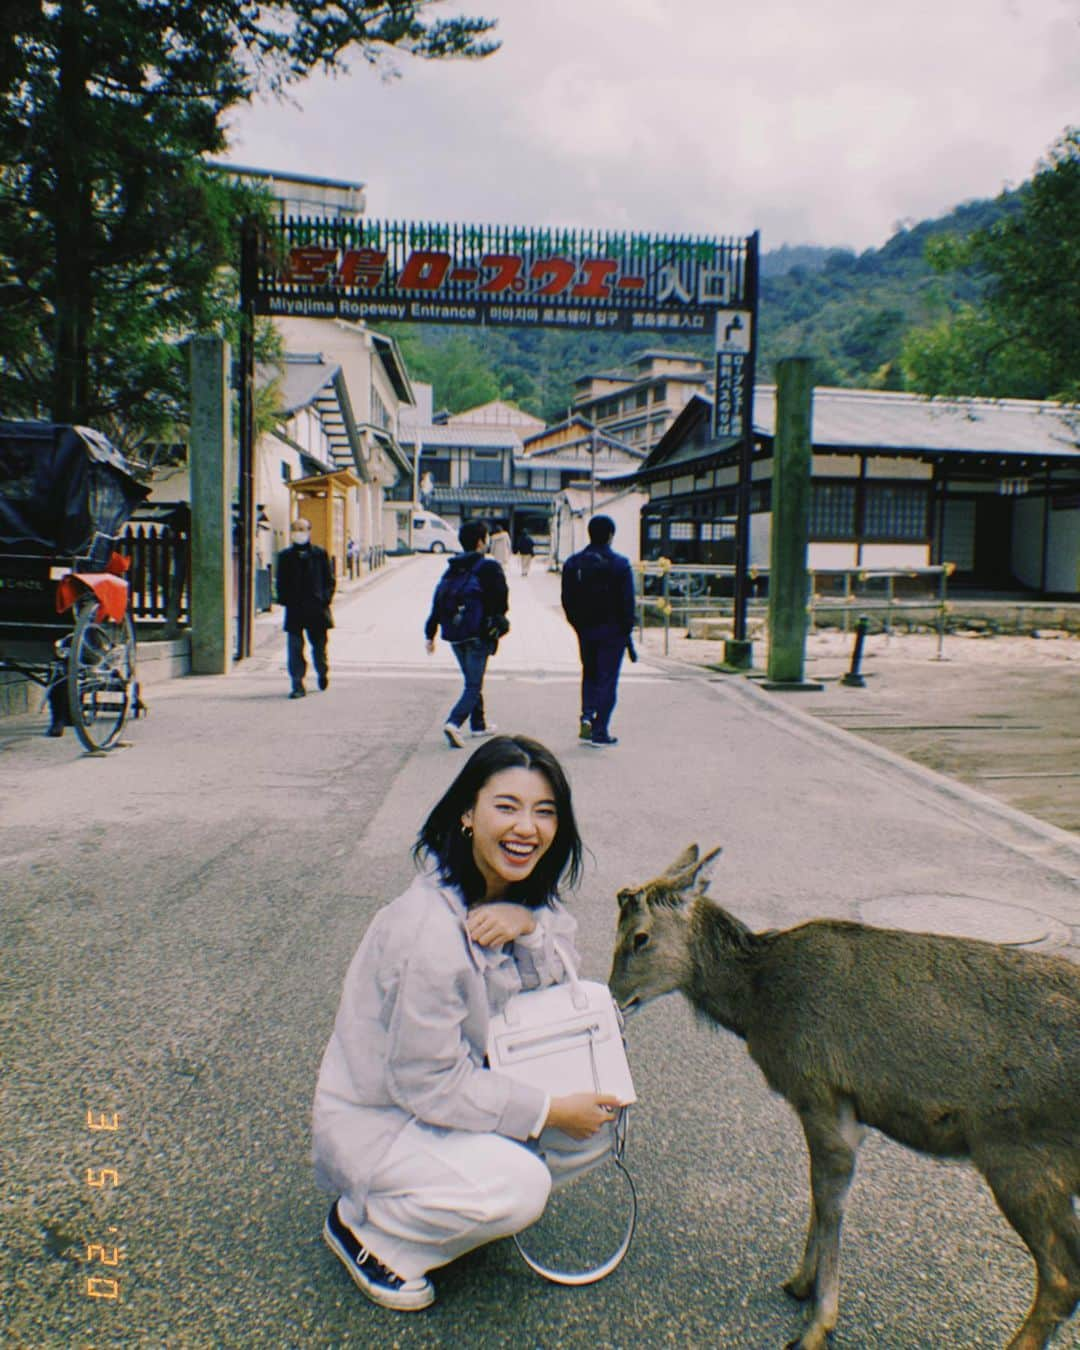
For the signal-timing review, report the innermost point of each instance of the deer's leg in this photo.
(801, 1284)
(1035, 1195)
(832, 1137)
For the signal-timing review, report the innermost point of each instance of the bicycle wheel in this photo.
(101, 675)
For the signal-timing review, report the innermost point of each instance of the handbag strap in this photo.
(591, 1274)
(577, 997)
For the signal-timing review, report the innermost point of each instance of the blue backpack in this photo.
(459, 604)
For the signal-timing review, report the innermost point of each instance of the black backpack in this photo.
(589, 589)
(459, 604)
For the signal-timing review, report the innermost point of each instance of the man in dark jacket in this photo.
(469, 606)
(598, 599)
(305, 586)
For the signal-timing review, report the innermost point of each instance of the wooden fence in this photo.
(160, 574)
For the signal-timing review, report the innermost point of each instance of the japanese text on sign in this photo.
(492, 275)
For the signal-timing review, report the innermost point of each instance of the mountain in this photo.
(848, 310)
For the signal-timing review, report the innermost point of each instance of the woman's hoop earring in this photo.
(466, 831)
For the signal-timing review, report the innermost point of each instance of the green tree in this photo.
(116, 240)
(969, 355)
(1021, 338)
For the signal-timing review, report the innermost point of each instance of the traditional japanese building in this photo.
(638, 404)
(898, 480)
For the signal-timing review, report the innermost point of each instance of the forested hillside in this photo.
(850, 311)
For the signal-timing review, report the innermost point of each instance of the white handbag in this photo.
(567, 1038)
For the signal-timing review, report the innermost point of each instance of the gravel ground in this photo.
(999, 713)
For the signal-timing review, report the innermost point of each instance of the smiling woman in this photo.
(429, 1151)
(513, 825)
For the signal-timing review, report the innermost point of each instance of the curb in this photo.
(1053, 847)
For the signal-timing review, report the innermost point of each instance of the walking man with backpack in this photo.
(598, 599)
(469, 608)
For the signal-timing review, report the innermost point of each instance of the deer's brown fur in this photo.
(954, 1047)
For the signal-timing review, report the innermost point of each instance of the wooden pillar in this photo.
(788, 577)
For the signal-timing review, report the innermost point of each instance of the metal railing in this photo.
(679, 592)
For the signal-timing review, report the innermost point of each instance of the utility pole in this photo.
(592, 471)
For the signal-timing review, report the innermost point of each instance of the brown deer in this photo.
(954, 1047)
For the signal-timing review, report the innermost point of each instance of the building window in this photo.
(714, 530)
(286, 472)
(659, 393)
(438, 469)
(832, 510)
(895, 511)
(654, 529)
(641, 398)
(681, 529)
(379, 413)
(485, 467)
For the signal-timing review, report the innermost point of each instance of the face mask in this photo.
(301, 538)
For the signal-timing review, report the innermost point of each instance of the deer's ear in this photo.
(704, 870)
(686, 859)
(629, 899)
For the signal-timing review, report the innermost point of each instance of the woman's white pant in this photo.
(439, 1193)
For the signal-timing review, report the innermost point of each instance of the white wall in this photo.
(573, 532)
(825, 556)
(895, 555)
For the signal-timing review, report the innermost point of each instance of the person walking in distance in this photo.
(499, 546)
(469, 608)
(598, 600)
(305, 586)
(525, 550)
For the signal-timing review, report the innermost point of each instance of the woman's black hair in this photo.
(441, 836)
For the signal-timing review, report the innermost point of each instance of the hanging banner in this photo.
(478, 274)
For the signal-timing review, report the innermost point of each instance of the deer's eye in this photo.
(640, 940)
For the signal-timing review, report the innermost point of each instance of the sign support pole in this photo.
(738, 651)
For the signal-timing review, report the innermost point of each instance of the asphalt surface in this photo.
(178, 916)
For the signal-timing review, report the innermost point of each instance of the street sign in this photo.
(497, 275)
(733, 331)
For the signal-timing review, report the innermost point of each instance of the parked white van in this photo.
(432, 534)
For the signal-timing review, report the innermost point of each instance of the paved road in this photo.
(178, 917)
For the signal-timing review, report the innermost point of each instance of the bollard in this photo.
(853, 678)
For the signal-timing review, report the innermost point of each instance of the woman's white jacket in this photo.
(411, 1032)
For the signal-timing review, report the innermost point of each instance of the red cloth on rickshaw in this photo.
(109, 586)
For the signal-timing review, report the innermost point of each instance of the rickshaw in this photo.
(65, 494)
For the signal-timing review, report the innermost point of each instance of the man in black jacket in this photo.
(305, 586)
(598, 599)
(469, 606)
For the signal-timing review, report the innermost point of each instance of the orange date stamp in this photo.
(104, 1283)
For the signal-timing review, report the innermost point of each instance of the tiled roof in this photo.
(870, 420)
(483, 438)
(301, 378)
(494, 494)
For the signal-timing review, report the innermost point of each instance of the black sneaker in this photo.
(369, 1274)
(297, 691)
(585, 729)
(324, 680)
(603, 740)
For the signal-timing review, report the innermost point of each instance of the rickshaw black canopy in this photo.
(59, 486)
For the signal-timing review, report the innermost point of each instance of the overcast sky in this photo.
(814, 121)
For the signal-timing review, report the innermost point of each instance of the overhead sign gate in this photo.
(498, 276)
